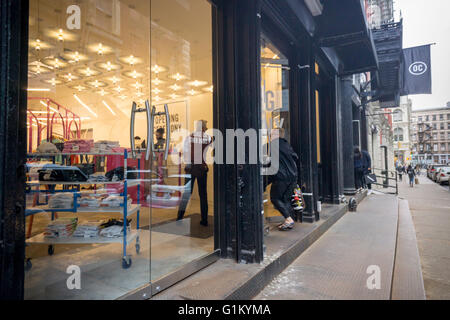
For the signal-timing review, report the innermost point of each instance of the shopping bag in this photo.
(370, 178)
(417, 180)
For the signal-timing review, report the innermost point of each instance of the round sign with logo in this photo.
(418, 68)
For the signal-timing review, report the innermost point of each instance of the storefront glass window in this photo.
(119, 91)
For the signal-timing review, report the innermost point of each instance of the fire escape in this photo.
(424, 138)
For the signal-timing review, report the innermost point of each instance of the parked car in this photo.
(431, 173)
(442, 175)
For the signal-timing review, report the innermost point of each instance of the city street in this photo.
(335, 266)
(430, 207)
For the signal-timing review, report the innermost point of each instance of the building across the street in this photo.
(401, 118)
(430, 135)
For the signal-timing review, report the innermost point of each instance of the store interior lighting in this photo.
(85, 106)
(109, 108)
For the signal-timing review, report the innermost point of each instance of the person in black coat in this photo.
(359, 168)
(367, 167)
(285, 180)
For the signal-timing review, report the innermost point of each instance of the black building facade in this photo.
(318, 55)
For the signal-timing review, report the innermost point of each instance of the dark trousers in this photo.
(358, 178)
(202, 181)
(280, 195)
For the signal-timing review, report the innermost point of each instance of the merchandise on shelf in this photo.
(78, 146)
(114, 228)
(104, 146)
(47, 147)
(61, 201)
(98, 178)
(88, 229)
(61, 228)
(56, 173)
(90, 202)
(114, 201)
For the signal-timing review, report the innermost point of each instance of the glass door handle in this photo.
(135, 110)
(150, 126)
(132, 127)
(167, 115)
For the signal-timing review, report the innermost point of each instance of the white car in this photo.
(443, 175)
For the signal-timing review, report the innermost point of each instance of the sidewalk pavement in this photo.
(339, 265)
(430, 209)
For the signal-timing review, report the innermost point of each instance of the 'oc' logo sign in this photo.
(418, 68)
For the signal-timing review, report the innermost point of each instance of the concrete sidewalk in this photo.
(430, 209)
(337, 265)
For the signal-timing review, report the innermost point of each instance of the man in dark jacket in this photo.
(285, 180)
(367, 167)
(359, 169)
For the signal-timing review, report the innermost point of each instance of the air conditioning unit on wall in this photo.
(315, 6)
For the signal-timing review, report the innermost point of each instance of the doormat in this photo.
(190, 227)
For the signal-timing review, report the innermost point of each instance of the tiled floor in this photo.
(102, 275)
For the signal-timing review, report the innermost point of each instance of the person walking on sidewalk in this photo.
(359, 169)
(367, 168)
(400, 170)
(411, 174)
(285, 180)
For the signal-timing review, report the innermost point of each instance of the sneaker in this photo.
(286, 226)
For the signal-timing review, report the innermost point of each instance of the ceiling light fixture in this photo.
(157, 81)
(60, 35)
(85, 106)
(197, 83)
(178, 77)
(38, 90)
(100, 49)
(109, 108)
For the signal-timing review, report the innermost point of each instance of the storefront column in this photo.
(364, 129)
(240, 201)
(347, 135)
(308, 154)
(13, 96)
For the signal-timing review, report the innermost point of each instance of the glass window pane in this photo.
(88, 61)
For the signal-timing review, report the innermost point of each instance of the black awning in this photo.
(343, 27)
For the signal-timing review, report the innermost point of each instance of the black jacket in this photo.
(366, 161)
(287, 166)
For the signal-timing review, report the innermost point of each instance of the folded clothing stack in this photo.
(90, 202)
(47, 147)
(104, 146)
(61, 228)
(114, 201)
(89, 229)
(114, 228)
(113, 232)
(77, 146)
(61, 201)
(98, 178)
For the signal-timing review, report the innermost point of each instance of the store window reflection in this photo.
(182, 201)
(108, 101)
